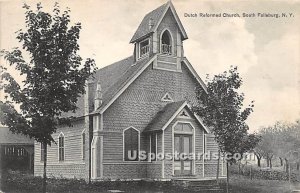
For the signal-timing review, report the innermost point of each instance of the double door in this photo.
(183, 148)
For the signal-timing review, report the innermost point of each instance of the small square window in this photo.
(144, 48)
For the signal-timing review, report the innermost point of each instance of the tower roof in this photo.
(156, 16)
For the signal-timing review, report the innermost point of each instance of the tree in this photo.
(54, 76)
(265, 148)
(287, 145)
(281, 140)
(221, 109)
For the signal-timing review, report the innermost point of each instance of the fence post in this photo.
(290, 177)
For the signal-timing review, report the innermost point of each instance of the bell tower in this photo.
(161, 33)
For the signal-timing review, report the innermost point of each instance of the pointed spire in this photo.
(98, 96)
(151, 23)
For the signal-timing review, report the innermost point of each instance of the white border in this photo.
(94, 157)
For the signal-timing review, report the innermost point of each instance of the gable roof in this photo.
(115, 79)
(156, 15)
(107, 76)
(166, 115)
(120, 81)
(8, 138)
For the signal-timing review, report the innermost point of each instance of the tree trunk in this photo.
(298, 166)
(270, 164)
(218, 167)
(227, 179)
(286, 165)
(45, 168)
(281, 161)
(258, 161)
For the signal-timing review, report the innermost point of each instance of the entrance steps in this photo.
(199, 185)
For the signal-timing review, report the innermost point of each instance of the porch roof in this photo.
(9, 138)
(165, 115)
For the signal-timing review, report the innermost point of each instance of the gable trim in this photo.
(175, 114)
(201, 122)
(127, 85)
(178, 111)
(193, 71)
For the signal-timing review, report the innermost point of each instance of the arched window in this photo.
(131, 144)
(166, 43)
(183, 128)
(61, 147)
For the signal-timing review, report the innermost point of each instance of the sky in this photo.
(266, 50)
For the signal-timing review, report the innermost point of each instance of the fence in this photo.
(266, 174)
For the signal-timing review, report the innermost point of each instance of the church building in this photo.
(140, 105)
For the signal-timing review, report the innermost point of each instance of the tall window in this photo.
(61, 147)
(42, 152)
(131, 144)
(83, 144)
(166, 43)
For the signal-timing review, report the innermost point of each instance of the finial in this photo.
(98, 96)
(151, 24)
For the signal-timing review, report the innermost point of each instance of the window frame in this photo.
(171, 43)
(151, 136)
(139, 48)
(139, 144)
(61, 148)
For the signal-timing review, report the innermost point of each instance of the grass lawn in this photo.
(242, 184)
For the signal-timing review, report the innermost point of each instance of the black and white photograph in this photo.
(139, 96)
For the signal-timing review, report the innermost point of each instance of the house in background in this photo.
(139, 104)
(16, 151)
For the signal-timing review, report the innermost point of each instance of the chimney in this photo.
(151, 24)
(98, 96)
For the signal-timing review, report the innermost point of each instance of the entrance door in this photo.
(182, 144)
